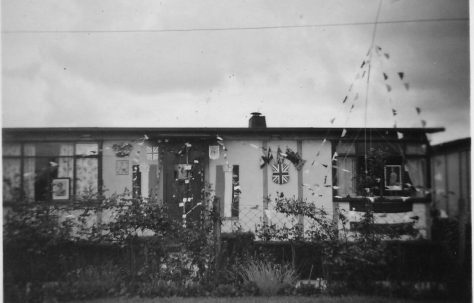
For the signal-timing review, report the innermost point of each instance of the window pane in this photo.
(343, 149)
(345, 177)
(46, 169)
(47, 149)
(235, 191)
(416, 170)
(87, 149)
(415, 149)
(86, 175)
(11, 179)
(11, 149)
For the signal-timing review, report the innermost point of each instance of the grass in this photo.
(290, 299)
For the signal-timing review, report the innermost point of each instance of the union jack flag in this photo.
(280, 173)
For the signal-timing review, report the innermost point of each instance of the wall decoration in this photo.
(266, 158)
(295, 158)
(122, 150)
(121, 167)
(60, 188)
(214, 152)
(393, 177)
(280, 173)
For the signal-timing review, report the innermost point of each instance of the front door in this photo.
(184, 180)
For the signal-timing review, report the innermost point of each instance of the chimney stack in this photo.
(257, 121)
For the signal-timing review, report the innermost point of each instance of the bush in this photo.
(269, 277)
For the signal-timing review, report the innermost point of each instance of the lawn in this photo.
(348, 299)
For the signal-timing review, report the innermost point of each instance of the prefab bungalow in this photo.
(339, 169)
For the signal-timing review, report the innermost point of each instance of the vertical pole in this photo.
(265, 187)
(217, 238)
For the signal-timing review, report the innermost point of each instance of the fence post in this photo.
(217, 237)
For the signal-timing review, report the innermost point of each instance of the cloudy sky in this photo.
(210, 63)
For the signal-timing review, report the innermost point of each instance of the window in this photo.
(30, 168)
(385, 170)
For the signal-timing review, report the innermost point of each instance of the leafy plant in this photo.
(269, 277)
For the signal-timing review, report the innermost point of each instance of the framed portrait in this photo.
(122, 167)
(393, 177)
(61, 189)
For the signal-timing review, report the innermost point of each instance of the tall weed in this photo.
(269, 277)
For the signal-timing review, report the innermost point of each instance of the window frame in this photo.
(22, 157)
(357, 155)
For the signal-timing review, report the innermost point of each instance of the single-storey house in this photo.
(339, 169)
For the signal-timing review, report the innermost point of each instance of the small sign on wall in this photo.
(60, 189)
(121, 167)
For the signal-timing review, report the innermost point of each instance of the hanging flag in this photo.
(401, 74)
(386, 55)
(265, 159)
(399, 135)
(378, 48)
(332, 120)
(418, 110)
(362, 65)
(352, 107)
(407, 85)
(423, 123)
(345, 99)
(214, 152)
(389, 88)
(385, 77)
(394, 112)
(280, 173)
(344, 131)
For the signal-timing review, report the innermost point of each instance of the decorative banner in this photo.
(345, 99)
(266, 158)
(280, 173)
(295, 158)
(385, 77)
(418, 110)
(394, 112)
(407, 86)
(401, 74)
(214, 152)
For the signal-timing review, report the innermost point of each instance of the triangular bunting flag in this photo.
(386, 55)
(423, 123)
(385, 77)
(344, 131)
(378, 48)
(352, 107)
(389, 88)
(345, 99)
(407, 85)
(399, 135)
(418, 110)
(401, 74)
(332, 120)
(394, 112)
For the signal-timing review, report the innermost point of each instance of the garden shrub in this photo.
(270, 278)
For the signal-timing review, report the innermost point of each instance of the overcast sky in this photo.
(109, 63)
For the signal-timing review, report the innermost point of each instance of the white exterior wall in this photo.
(247, 153)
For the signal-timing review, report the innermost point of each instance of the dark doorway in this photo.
(184, 164)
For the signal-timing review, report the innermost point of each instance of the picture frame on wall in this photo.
(393, 177)
(60, 188)
(122, 167)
